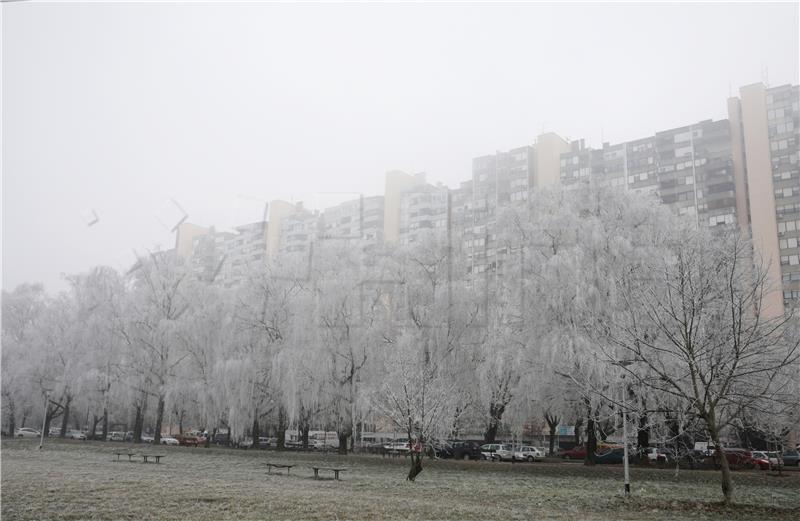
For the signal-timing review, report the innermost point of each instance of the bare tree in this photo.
(694, 322)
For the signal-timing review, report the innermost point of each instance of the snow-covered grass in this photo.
(81, 480)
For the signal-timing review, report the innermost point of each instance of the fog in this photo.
(110, 111)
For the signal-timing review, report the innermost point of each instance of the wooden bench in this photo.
(127, 453)
(270, 466)
(335, 470)
(156, 456)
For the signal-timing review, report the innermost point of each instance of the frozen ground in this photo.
(81, 480)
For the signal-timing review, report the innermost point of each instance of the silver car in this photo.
(529, 453)
(26, 432)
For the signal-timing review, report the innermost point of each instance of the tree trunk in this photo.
(416, 466)
(65, 419)
(137, 425)
(159, 419)
(105, 423)
(496, 411)
(256, 430)
(719, 454)
(577, 433)
(643, 438)
(304, 435)
(95, 420)
(591, 436)
(11, 419)
(416, 457)
(552, 424)
(343, 437)
(281, 434)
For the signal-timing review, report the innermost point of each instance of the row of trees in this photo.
(599, 300)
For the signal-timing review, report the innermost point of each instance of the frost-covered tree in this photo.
(695, 321)
(152, 330)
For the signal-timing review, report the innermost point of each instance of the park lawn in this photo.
(80, 480)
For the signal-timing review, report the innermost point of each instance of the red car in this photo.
(190, 439)
(761, 460)
(737, 458)
(578, 452)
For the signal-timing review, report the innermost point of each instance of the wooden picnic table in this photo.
(156, 456)
(130, 455)
(270, 466)
(335, 470)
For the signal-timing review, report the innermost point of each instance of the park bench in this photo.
(335, 470)
(156, 456)
(128, 453)
(270, 466)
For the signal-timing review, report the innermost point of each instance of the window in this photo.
(720, 219)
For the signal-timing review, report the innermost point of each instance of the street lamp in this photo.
(623, 364)
(44, 417)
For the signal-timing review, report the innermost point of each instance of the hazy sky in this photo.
(117, 108)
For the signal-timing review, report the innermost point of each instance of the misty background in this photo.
(118, 108)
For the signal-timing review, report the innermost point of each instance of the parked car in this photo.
(657, 455)
(577, 452)
(146, 438)
(75, 435)
(736, 457)
(497, 451)
(528, 453)
(221, 438)
(610, 456)
(761, 460)
(54, 432)
(116, 436)
(27, 432)
(192, 439)
(466, 450)
(396, 446)
(328, 444)
(775, 459)
(791, 457)
(168, 440)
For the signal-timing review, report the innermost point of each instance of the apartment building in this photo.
(743, 170)
(766, 122)
(689, 168)
(423, 210)
(356, 220)
(502, 180)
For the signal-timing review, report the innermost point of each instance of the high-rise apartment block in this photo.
(741, 171)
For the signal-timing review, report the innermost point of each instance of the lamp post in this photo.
(44, 417)
(627, 489)
(625, 441)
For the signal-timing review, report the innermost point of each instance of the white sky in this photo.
(119, 107)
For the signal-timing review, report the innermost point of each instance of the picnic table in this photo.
(270, 466)
(335, 470)
(156, 456)
(128, 453)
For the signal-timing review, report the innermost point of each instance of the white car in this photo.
(169, 440)
(397, 446)
(497, 452)
(27, 432)
(116, 436)
(147, 439)
(75, 435)
(528, 453)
